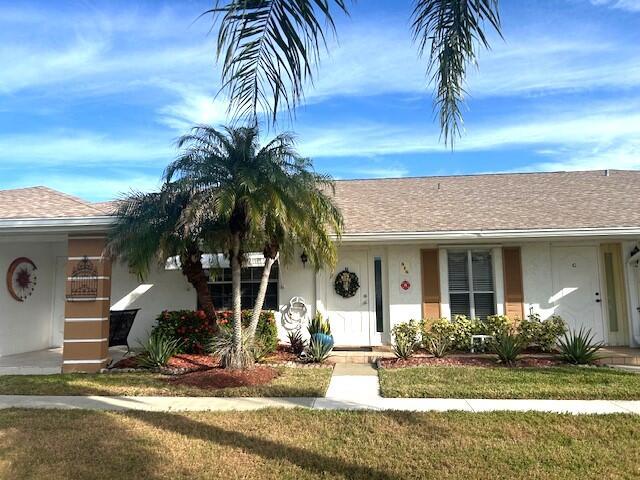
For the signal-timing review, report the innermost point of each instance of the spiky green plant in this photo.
(158, 350)
(579, 347)
(319, 347)
(508, 347)
(438, 345)
(319, 325)
(223, 346)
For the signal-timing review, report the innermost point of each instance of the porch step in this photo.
(620, 356)
(359, 356)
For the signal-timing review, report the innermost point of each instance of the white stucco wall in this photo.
(295, 281)
(169, 291)
(404, 305)
(27, 326)
(537, 279)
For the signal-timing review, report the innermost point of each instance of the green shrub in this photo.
(542, 334)
(296, 341)
(458, 331)
(496, 325)
(405, 338)
(193, 329)
(158, 349)
(508, 347)
(579, 347)
(319, 325)
(438, 345)
(266, 331)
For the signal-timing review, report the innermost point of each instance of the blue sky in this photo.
(94, 93)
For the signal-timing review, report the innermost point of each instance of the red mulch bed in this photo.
(465, 362)
(183, 363)
(222, 378)
(282, 354)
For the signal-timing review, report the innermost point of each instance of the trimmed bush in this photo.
(405, 338)
(542, 334)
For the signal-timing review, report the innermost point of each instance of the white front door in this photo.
(351, 317)
(576, 288)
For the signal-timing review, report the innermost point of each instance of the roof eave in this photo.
(56, 225)
(521, 234)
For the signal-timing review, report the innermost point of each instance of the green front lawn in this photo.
(564, 382)
(292, 382)
(305, 444)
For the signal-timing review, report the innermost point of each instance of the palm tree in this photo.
(265, 197)
(152, 227)
(270, 48)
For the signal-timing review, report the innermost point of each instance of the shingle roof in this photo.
(491, 202)
(43, 202)
(517, 201)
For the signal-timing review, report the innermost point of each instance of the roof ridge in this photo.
(73, 198)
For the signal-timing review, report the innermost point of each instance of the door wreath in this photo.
(346, 284)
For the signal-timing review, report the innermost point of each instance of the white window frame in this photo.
(470, 292)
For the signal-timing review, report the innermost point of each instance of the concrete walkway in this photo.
(352, 387)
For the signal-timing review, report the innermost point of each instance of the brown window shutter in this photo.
(430, 283)
(513, 290)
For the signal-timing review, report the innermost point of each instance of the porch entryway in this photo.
(357, 320)
(41, 362)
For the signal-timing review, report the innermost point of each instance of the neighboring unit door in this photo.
(576, 288)
(351, 318)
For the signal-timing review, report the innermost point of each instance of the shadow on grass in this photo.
(73, 445)
(267, 449)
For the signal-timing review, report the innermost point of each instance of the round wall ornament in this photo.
(346, 283)
(21, 278)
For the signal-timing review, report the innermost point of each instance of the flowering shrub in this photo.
(195, 330)
(192, 328)
(405, 338)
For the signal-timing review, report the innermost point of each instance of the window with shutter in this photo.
(471, 288)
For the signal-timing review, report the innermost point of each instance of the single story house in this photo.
(565, 243)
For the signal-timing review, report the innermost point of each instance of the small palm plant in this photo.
(579, 347)
(223, 346)
(296, 341)
(438, 345)
(158, 350)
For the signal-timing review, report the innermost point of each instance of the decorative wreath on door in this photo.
(346, 283)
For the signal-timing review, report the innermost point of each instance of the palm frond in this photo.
(450, 31)
(269, 49)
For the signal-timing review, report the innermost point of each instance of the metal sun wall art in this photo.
(21, 278)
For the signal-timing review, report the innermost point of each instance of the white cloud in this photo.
(629, 5)
(81, 148)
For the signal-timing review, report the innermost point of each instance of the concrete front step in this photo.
(358, 356)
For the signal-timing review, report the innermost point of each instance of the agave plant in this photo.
(508, 347)
(438, 345)
(320, 347)
(158, 349)
(579, 347)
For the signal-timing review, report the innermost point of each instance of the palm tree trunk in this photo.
(236, 358)
(262, 291)
(196, 276)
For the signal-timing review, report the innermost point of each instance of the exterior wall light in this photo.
(304, 259)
